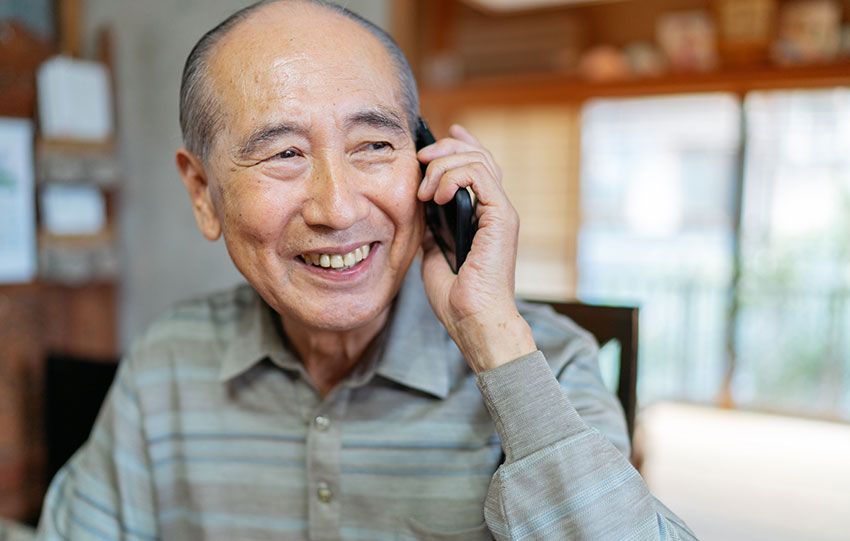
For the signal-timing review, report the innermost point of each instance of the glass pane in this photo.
(657, 192)
(793, 350)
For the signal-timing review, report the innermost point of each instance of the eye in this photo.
(377, 146)
(287, 154)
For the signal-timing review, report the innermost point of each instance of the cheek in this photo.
(255, 210)
(399, 198)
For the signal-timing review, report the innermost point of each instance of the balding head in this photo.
(201, 114)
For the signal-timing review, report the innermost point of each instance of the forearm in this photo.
(561, 477)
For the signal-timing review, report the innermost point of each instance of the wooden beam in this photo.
(403, 27)
(70, 27)
(558, 89)
(21, 52)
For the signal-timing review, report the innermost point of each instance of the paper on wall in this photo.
(74, 100)
(17, 203)
(72, 209)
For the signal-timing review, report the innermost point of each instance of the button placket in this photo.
(324, 449)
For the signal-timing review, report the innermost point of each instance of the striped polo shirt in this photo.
(213, 430)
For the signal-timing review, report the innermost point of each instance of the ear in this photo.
(195, 179)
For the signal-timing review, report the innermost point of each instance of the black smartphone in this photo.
(453, 224)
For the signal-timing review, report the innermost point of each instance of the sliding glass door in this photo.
(660, 219)
(657, 190)
(793, 328)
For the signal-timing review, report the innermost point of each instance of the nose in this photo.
(334, 197)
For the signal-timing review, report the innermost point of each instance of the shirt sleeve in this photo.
(562, 477)
(106, 490)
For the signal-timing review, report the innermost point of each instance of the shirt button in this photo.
(323, 491)
(322, 423)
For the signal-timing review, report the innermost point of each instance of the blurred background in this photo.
(688, 157)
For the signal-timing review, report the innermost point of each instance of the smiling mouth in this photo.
(337, 261)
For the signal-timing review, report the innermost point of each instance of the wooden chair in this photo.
(74, 391)
(607, 323)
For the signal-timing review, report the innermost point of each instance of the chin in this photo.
(341, 316)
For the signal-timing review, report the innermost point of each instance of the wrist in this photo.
(491, 340)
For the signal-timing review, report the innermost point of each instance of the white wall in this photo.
(165, 258)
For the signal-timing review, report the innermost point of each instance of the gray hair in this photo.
(200, 115)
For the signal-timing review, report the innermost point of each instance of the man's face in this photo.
(315, 166)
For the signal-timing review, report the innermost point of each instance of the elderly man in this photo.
(343, 394)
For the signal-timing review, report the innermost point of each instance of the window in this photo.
(657, 230)
(792, 344)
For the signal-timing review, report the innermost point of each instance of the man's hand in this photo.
(477, 305)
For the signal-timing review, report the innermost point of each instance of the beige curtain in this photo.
(538, 150)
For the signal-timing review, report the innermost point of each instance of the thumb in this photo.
(436, 274)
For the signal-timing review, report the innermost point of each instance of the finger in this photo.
(448, 146)
(459, 132)
(476, 176)
(435, 269)
(438, 167)
(428, 242)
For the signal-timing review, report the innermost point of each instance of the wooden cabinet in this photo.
(35, 319)
(74, 317)
(446, 37)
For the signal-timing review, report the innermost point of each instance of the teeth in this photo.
(338, 261)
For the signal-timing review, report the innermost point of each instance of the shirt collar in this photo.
(415, 352)
(255, 338)
(418, 350)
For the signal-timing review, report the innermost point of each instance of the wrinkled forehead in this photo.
(292, 53)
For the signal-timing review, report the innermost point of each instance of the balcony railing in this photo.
(791, 347)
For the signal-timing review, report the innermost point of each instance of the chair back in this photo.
(74, 392)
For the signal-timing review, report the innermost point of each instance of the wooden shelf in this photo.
(74, 146)
(540, 88)
(102, 239)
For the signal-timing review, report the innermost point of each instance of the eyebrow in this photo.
(376, 118)
(264, 134)
(379, 118)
